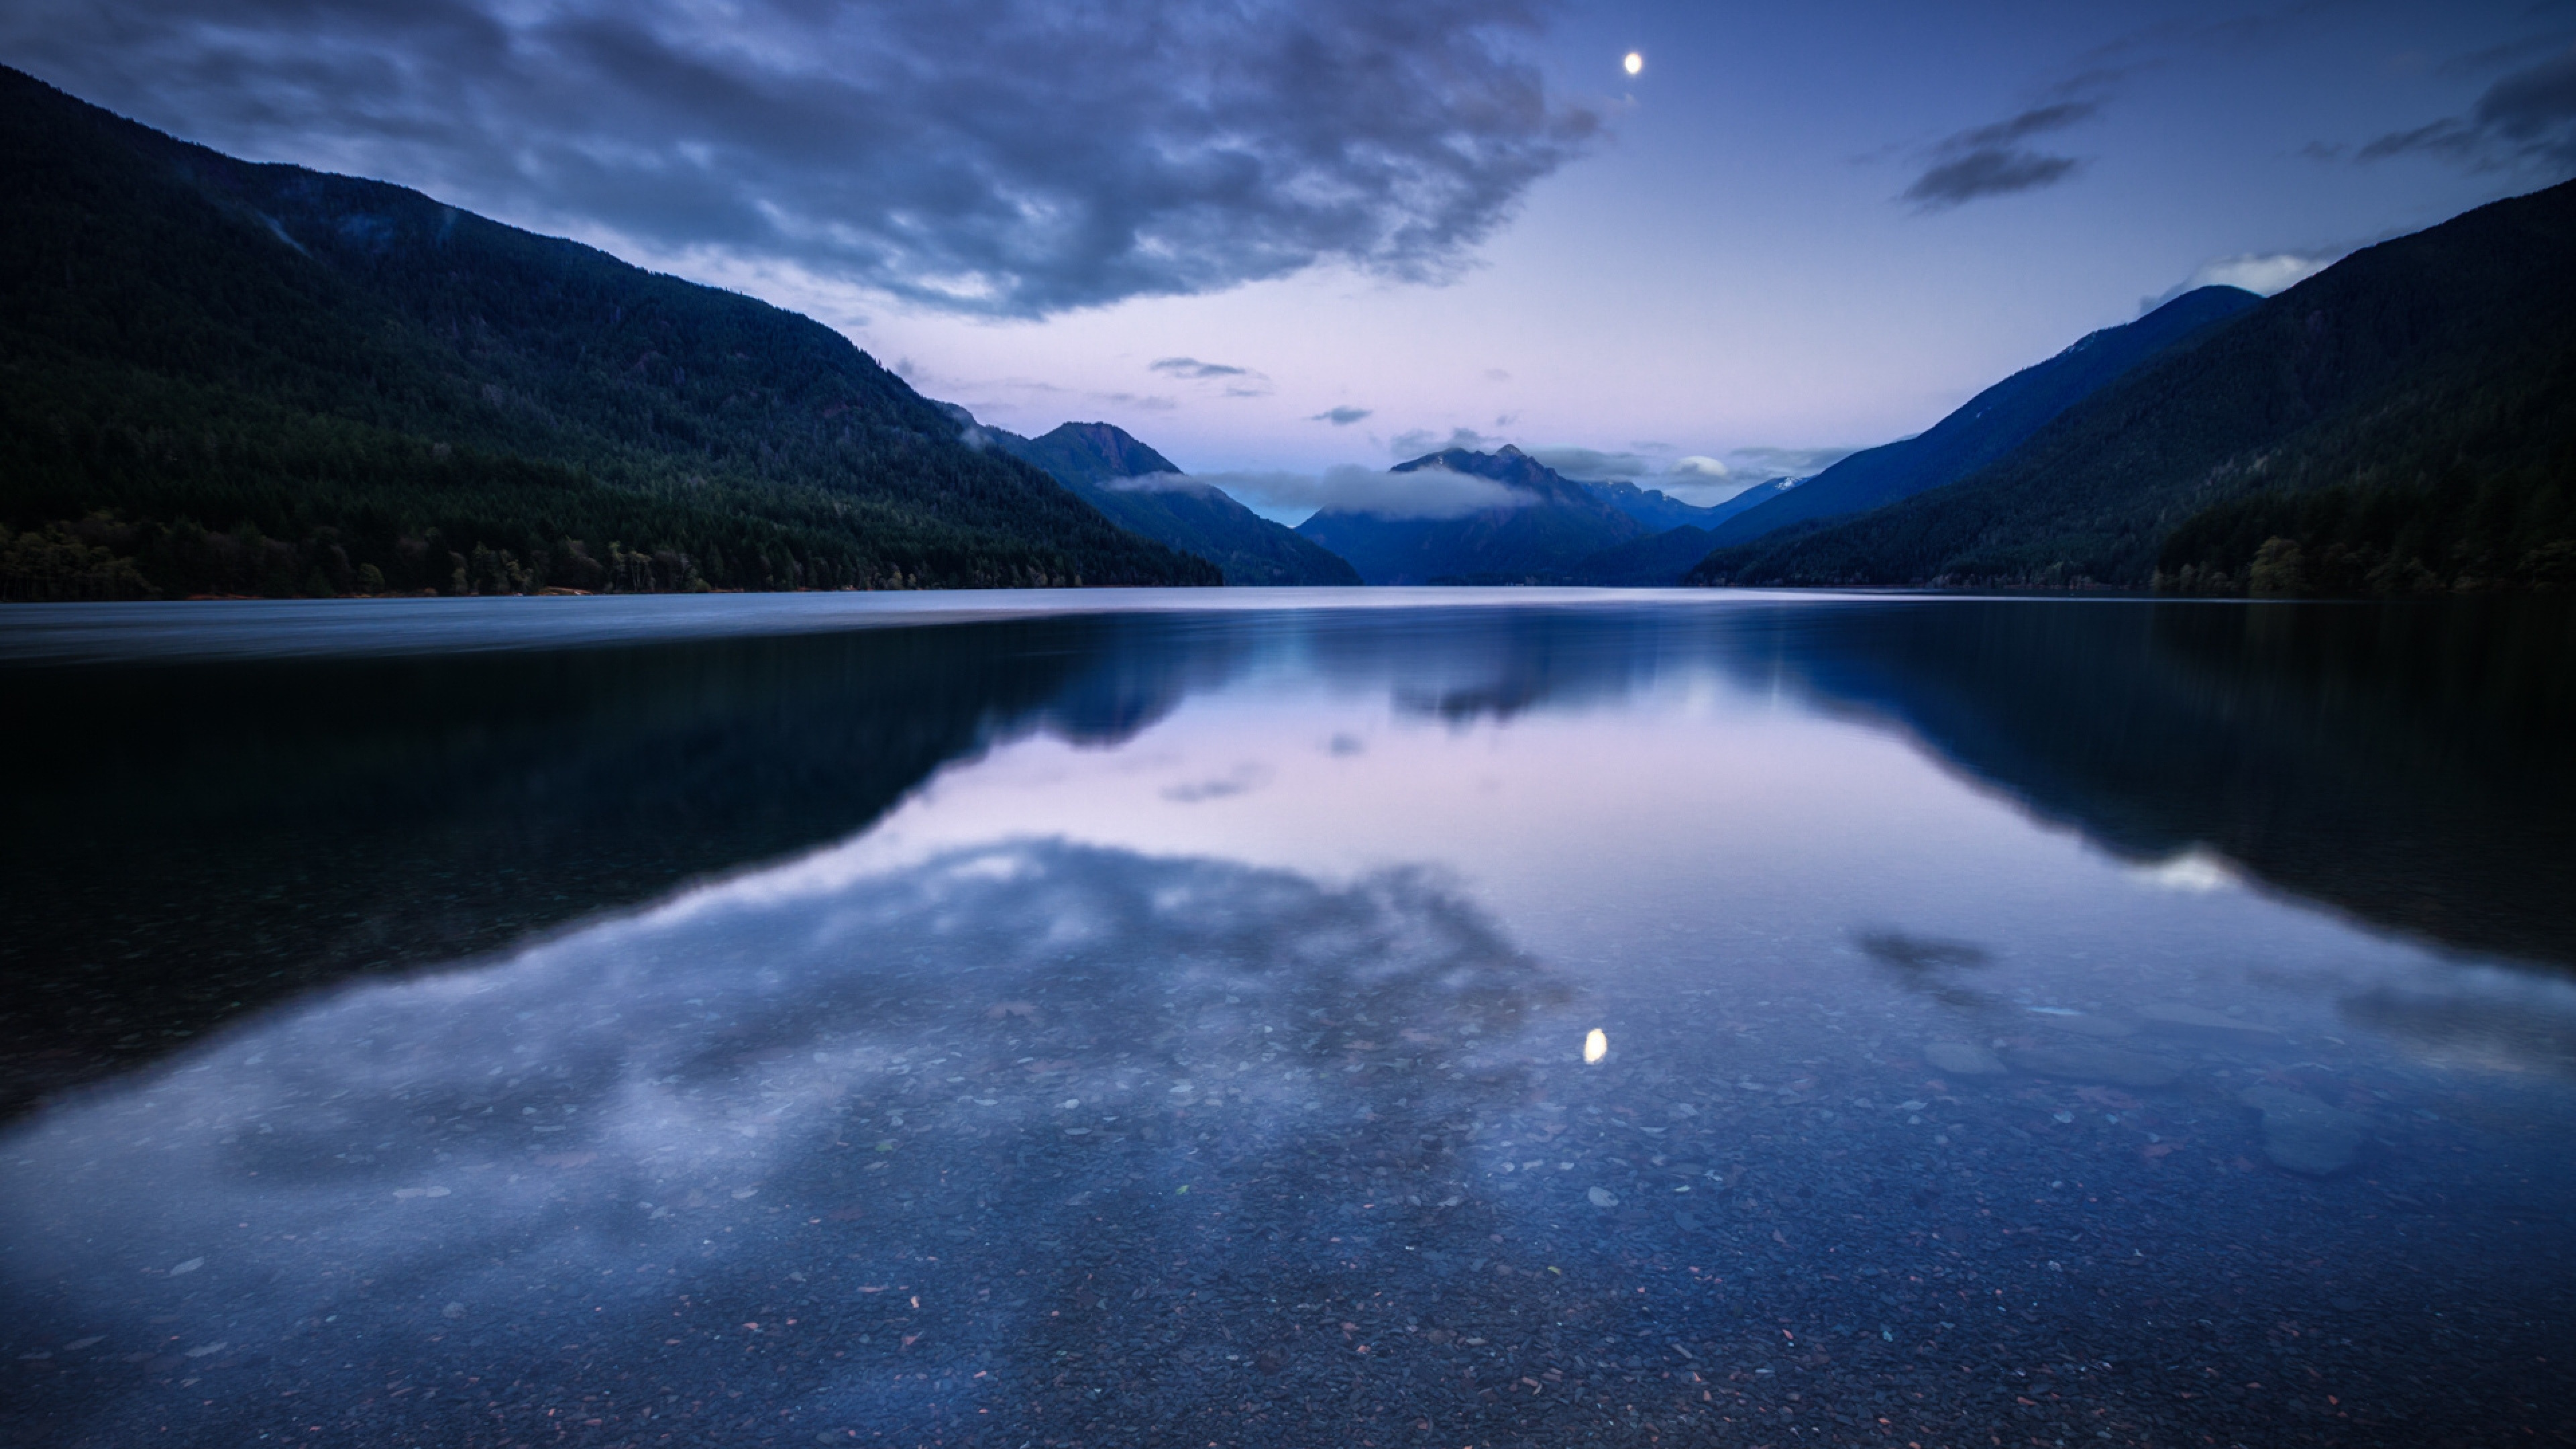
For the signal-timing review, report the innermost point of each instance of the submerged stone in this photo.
(2091, 1062)
(2302, 1134)
(1964, 1059)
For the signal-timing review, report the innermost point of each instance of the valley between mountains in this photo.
(221, 378)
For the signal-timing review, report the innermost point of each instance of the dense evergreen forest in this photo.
(226, 378)
(2403, 422)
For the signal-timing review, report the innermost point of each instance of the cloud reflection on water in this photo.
(1038, 1067)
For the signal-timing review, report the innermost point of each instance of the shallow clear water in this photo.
(1467, 1019)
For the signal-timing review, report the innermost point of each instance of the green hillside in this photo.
(2404, 421)
(219, 377)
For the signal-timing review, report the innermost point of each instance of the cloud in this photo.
(1593, 464)
(2263, 273)
(2535, 106)
(2525, 119)
(1991, 161)
(1705, 481)
(1697, 479)
(1160, 483)
(722, 1095)
(1191, 367)
(1242, 779)
(1240, 381)
(1009, 158)
(1987, 173)
(1417, 442)
(1341, 417)
(1786, 462)
(1422, 493)
(2448, 136)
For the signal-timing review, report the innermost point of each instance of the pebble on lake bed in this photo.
(1963, 1059)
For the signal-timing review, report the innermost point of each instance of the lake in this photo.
(1422, 1017)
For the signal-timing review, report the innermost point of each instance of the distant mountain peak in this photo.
(1148, 494)
(1507, 465)
(1555, 523)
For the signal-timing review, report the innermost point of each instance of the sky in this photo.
(1280, 240)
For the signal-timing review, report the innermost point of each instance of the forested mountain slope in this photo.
(1989, 425)
(2403, 421)
(233, 378)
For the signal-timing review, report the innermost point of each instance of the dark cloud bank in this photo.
(1004, 157)
(2526, 118)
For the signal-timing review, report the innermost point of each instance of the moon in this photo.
(1634, 63)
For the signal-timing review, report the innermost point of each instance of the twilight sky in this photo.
(1275, 238)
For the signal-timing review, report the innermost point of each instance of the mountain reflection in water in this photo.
(1502, 1021)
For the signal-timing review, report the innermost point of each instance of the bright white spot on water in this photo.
(1596, 1045)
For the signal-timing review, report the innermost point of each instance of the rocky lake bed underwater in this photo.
(1501, 1020)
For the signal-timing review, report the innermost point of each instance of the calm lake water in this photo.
(1421, 1018)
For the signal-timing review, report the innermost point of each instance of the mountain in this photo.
(1656, 561)
(221, 377)
(1660, 560)
(1990, 424)
(2403, 421)
(1174, 510)
(1652, 507)
(1752, 498)
(1553, 523)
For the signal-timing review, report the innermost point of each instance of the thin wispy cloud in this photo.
(1593, 464)
(995, 157)
(1239, 381)
(1151, 402)
(1992, 160)
(1417, 442)
(1429, 492)
(1191, 367)
(1341, 417)
(1785, 462)
(1695, 478)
